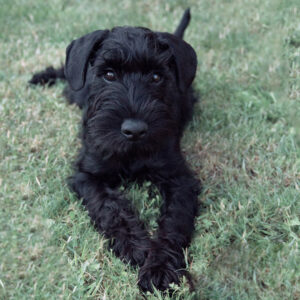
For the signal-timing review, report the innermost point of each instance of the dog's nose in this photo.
(134, 129)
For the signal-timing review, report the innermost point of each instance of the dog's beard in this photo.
(103, 128)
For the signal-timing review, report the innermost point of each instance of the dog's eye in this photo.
(109, 76)
(156, 78)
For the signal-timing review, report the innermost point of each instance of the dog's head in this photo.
(138, 81)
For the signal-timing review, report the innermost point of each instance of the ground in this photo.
(243, 143)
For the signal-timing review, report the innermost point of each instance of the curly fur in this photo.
(107, 157)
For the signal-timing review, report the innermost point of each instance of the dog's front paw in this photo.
(136, 256)
(159, 270)
(158, 276)
(131, 251)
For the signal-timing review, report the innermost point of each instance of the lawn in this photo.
(243, 143)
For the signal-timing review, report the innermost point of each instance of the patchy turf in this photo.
(243, 143)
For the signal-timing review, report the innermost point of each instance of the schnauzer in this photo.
(134, 86)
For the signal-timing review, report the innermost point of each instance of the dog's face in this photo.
(138, 80)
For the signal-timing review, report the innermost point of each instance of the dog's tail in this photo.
(48, 76)
(184, 22)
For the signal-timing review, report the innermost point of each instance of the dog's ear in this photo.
(78, 54)
(184, 57)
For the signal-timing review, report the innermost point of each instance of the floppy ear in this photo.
(185, 60)
(78, 54)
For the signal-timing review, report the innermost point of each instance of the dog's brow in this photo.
(130, 63)
(134, 48)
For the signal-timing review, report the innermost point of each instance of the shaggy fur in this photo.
(134, 86)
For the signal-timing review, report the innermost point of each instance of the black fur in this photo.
(135, 58)
(48, 76)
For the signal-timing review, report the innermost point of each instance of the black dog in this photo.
(135, 87)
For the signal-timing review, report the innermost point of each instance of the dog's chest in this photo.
(140, 169)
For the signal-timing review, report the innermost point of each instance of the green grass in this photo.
(243, 143)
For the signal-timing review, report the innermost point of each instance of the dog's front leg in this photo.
(112, 215)
(165, 262)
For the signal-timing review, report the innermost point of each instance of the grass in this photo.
(243, 143)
